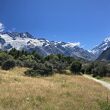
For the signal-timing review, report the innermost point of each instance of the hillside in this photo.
(25, 41)
(105, 56)
(58, 92)
(100, 48)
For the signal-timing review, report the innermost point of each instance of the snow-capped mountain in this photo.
(101, 47)
(105, 55)
(26, 41)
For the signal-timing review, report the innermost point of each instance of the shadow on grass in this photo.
(104, 105)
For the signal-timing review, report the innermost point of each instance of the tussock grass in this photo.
(58, 92)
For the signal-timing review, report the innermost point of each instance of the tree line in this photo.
(51, 64)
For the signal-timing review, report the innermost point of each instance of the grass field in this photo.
(107, 79)
(58, 92)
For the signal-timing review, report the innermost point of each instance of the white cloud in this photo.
(69, 44)
(1, 27)
(12, 30)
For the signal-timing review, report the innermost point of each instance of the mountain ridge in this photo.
(105, 55)
(26, 41)
(99, 49)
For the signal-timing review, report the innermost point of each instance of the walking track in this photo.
(103, 83)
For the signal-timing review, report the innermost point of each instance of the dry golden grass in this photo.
(58, 92)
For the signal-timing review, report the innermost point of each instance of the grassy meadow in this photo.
(57, 92)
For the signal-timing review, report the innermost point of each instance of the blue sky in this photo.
(84, 21)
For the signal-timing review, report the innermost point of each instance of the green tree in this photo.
(76, 67)
(40, 69)
(4, 56)
(99, 70)
(15, 53)
(8, 64)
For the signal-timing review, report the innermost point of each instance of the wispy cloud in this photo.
(12, 30)
(69, 44)
(1, 27)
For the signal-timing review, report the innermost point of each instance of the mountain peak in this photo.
(101, 47)
(107, 39)
(17, 34)
(44, 47)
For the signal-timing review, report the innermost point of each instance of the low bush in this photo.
(8, 64)
(40, 70)
(76, 67)
(4, 57)
(99, 69)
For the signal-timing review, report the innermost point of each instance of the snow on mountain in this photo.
(107, 39)
(101, 47)
(69, 44)
(18, 41)
(26, 41)
(6, 37)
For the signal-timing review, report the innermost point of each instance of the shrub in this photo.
(4, 56)
(76, 67)
(97, 69)
(40, 69)
(28, 61)
(8, 64)
(83, 70)
(89, 68)
(29, 64)
(61, 67)
(19, 63)
(100, 70)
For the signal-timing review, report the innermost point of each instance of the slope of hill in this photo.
(58, 92)
(101, 47)
(105, 56)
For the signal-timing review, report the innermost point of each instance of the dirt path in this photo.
(105, 84)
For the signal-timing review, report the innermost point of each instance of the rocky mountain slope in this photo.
(26, 41)
(98, 50)
(105, 55)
